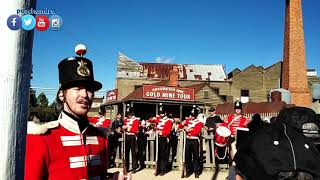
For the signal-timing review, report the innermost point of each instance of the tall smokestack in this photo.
(294, 71)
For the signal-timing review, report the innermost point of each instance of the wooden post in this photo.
(15, 75)
(181, 118)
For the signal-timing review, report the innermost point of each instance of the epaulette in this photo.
(38, 129)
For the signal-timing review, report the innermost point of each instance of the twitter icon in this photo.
(28, 22)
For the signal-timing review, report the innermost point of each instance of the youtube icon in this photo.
(42, 23)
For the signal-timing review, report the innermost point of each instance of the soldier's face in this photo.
(238, 111)
(78, 100)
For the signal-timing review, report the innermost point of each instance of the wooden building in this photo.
(211, 84)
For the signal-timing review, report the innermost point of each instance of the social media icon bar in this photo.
(42, 23)
(14, 22)
(28, 22)
(56, 22)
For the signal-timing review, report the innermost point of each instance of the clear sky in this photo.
(235, 33)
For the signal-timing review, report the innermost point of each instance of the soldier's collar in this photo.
(72, 123)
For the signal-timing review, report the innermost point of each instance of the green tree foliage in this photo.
(41, 109)
(42, 100)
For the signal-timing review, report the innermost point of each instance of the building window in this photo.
(224, 97)
(216, 90)
(137, 86)
(191, 70)
(205, 94)
(244, 92)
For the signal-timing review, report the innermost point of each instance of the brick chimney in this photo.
(174, 76)
(294, 71)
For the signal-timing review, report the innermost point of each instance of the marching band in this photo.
(165, 129)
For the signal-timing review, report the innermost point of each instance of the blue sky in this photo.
(234, 33)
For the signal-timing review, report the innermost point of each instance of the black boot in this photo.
(188, 174)
(196, 174)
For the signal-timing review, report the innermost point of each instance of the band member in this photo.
(102, 121)
(193, 128)
(163, 130)
(131, 126)
(234, 121)
(69, 148)
(142, 143)
(114, 137)
(237, 119)
(212, 121)
(173, 140)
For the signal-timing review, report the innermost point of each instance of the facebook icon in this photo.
(14, 22)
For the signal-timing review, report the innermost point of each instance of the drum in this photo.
(222, 135)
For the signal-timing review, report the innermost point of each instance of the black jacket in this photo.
(276, 148)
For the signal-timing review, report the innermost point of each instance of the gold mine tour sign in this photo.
(168, 93)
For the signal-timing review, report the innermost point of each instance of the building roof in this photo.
(261, 69)
(128, 68)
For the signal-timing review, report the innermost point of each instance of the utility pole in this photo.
(15, 75)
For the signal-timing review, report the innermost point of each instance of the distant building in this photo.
(211, 84)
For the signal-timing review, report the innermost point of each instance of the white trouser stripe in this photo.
(70, 138)
(77, 164)
(80, 161)
(93, 142)
(77, 158)
(92, 138)
(71, 143)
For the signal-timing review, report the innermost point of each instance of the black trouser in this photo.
(162, 154)
(174, 145)
(131, 144)
(142, 142)
(111, 151)
(112, 146)
(192, 155)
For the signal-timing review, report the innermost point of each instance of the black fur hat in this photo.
(195, 111)
(75, 71)
(238, 104)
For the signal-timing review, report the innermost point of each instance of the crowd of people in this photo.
(80, 147)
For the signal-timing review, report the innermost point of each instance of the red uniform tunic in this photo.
(100, 121)
(234, 121)
(194, 127)
(154, 120)
(66, 153)
(132, 124)
(164, 125)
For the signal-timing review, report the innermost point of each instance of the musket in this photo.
(183, 155)
(157, 153)
(124, 169)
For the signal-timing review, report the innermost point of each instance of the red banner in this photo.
(112, 95)
(168, 93)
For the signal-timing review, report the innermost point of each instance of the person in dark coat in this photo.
(280, 150)
(212, 121)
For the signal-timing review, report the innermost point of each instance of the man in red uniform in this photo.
(101, 120)
(193, 128)
(237, 119)
(71, 148)
(163, 129)
(131, 127)
(234, 121)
